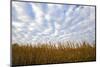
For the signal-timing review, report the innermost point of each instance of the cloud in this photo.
(20, 10)
(41, 22)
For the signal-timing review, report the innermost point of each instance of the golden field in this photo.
(32, 54)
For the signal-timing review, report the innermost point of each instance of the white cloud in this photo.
(47, 31)
(38, 13)
(21, 12)
(47, 17)
(70, 11)
(17, 24)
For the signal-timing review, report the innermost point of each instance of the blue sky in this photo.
(42, 22)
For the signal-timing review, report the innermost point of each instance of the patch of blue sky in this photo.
(28, 9)
(14, 14)
(44, 7)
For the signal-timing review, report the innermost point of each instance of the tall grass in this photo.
(50, 53)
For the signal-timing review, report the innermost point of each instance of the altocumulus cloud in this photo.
(42, 22)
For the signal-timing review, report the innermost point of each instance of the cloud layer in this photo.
(42, 22)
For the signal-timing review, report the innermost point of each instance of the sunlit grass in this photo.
(32, 54)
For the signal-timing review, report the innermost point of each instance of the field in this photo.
(51, 54)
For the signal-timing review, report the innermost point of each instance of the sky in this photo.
(45, 22)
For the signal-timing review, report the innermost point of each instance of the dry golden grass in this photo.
(50, 54)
